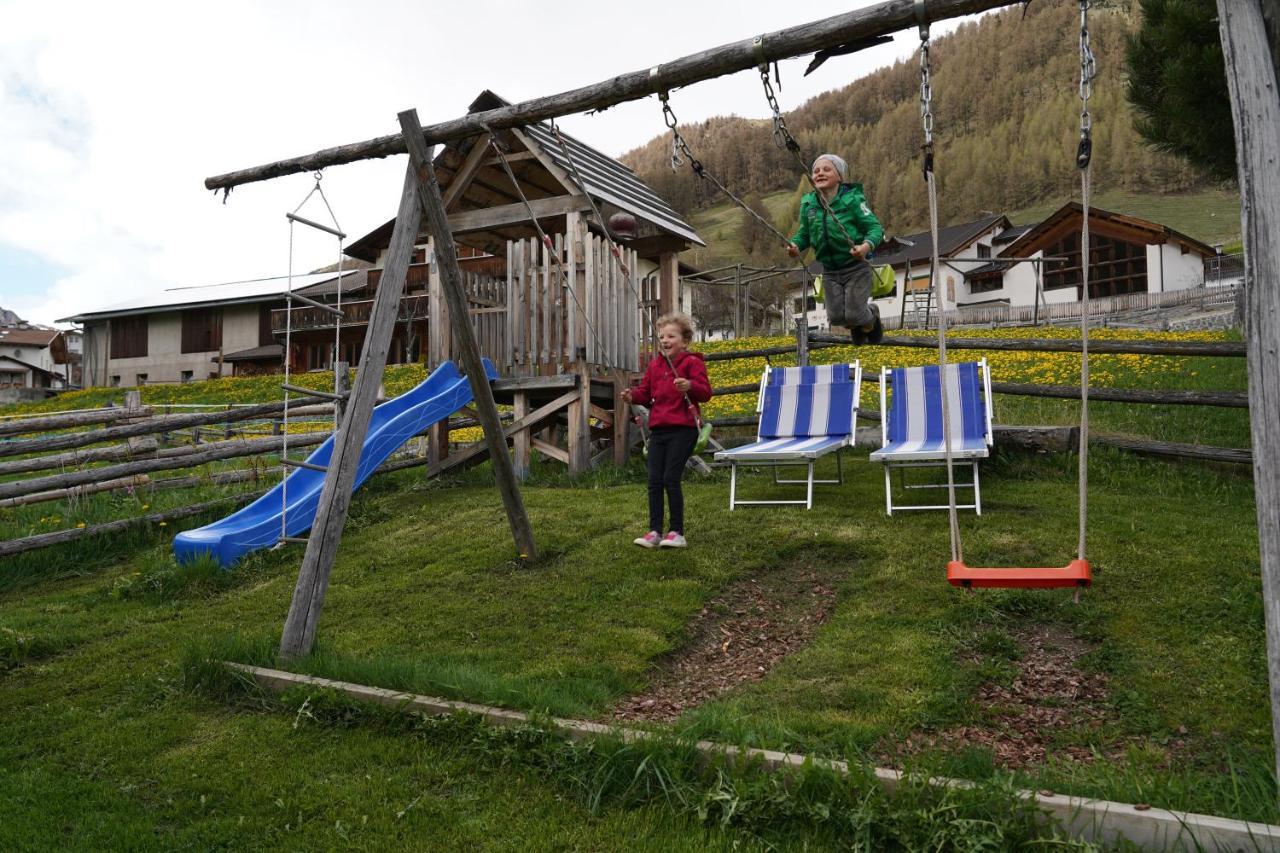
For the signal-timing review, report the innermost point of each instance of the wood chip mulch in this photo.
(1021, 721)
(738, 637)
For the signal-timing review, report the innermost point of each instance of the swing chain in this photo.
(1088, 70)
(678, 146)
(781, 135)
(926, 100)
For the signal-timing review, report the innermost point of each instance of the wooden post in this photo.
(579, 437)
(341, 385)
(428, 192)
(335, 496)
(668, 282)
(1251, 79)
(520, 446)
(621, 423)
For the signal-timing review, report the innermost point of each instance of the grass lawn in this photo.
(109, 740)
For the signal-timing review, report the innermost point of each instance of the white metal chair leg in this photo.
(808, 500)
(977, 494)
(888, 491)
(733, 484)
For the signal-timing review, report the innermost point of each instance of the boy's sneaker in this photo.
(649, 540)
(674, 540)
(876, 335)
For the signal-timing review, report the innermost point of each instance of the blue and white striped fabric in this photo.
(801, 422)
(819, 374)
(915, 428)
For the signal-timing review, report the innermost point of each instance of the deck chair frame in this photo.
(933, 457)
(792, 458)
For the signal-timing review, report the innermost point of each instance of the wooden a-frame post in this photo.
(446, 256)
(1255, 107)
(335, 496)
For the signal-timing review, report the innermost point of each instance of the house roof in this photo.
(1119, 225)
(230, 293)
(1012, 233)
(950, 239)
(603, 178)
(267, 351)
(27, 337)
(30, 366)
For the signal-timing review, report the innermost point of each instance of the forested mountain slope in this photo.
(1006, 112)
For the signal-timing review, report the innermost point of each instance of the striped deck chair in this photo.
(912, 435)
(805, 413)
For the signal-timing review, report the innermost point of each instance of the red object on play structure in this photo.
(1076, 573)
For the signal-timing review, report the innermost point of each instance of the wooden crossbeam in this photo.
(851, 27)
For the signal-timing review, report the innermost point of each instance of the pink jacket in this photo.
(657, 390)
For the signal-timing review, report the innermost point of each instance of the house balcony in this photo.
(354, 314)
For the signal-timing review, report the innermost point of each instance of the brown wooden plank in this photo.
(859, 25)
(298, 635)
(1255, 109)
(447, 257)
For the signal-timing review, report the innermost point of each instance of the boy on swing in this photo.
(841, 240)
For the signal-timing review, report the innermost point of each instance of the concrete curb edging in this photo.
(1100, 821)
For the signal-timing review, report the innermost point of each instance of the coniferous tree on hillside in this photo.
(1178, 84)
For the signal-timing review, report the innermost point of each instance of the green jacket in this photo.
(829, 245)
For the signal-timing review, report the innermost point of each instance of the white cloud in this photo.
(115, 114)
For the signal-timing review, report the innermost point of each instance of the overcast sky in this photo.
(112, 115)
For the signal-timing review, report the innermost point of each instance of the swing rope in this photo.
(1078, 571)
(1088, 70)
(926, 121)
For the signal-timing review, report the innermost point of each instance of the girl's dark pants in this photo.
(669, 450)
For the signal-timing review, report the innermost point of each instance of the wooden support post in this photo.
(341, 385)
(579, 437)
(446, 257)
(621, 422)
(520, 445)
(335, 496)
(668, 282)
(1255, 106)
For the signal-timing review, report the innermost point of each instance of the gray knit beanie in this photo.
(842, 168)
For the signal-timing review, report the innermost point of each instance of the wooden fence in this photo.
(596, 306)
(1099, 308)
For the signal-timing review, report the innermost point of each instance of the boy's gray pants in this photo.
(847, 293)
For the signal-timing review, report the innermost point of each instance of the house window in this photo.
(1115, 266)
(141, 380)
(984, 251)
(115, 381)
(187, 376)
(129, 337)
(987, 282)
(202, 330)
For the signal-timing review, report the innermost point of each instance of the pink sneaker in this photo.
(649, 540)
(673, 540)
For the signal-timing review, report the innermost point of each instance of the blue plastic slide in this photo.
(393, 423)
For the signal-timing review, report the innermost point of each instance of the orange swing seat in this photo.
(1076, 573)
